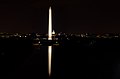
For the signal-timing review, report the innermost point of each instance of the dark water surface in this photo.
(21, 60)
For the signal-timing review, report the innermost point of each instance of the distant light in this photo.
(39, 42)
(36, 44)
(82, 35)
(37, 39)
(44, 38)
(59, 34)
(116, 36)
(68, 39)
(98, 36)
(56, 38)
(19, 36)
(53, 32)
(25, 36)
(2, 36)
(7, 36)
(16, 33)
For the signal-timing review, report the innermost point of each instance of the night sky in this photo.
(69, 16)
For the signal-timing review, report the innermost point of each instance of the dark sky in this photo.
(69, 16)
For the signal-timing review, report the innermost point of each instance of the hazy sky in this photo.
(70, 16)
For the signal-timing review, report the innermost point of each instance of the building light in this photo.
(53, 32)
(39, 42)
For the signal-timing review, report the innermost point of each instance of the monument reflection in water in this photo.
(49, 59)
(50, 38)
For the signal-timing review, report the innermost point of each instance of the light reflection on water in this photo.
(67, 61)
(49, 59)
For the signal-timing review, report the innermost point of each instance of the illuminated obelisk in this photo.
(50, 25)
(50, 38)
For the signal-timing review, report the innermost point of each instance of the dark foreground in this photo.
(84, 59)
